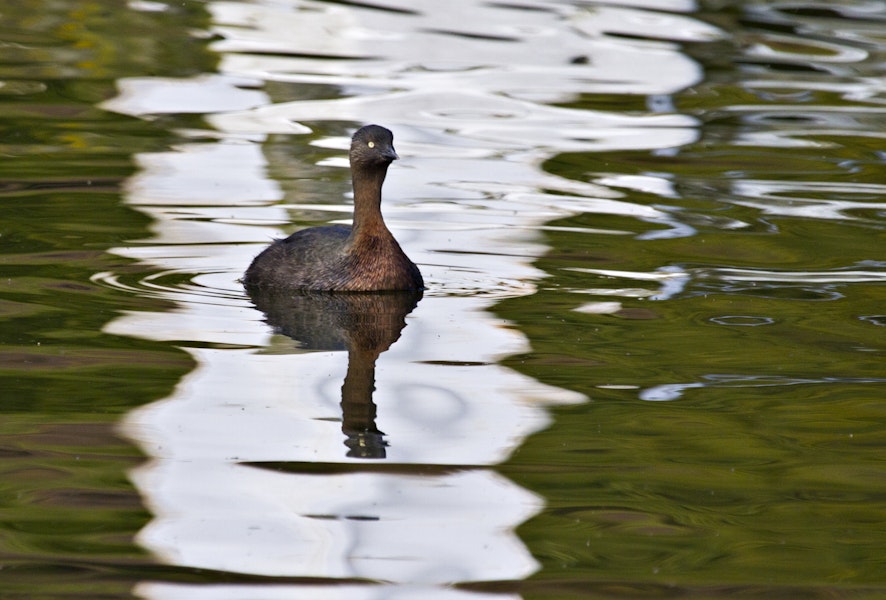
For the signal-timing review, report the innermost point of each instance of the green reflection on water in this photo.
(765, 467)
(67, 511)
(763, 474)
(765, 485)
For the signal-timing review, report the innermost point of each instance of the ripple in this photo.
(805, 277)
(851, 10)
(742, 320)
(199, 94)
(796, 199)
(21, 87)
(675, 281)
(467, 283)
(674, 391)
(793, 48)
(173, 285)
(783, 285)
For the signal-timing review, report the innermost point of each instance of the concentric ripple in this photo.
(175, 285)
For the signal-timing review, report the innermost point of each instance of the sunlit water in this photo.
(649, 360)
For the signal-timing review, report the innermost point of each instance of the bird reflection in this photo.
(365, 325)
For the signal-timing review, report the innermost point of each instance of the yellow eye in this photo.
(371, 144)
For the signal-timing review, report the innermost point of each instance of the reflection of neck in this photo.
(358, 410)
(367, 202)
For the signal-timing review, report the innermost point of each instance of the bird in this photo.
(362, 257)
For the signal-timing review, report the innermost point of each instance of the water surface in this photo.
(649, 360)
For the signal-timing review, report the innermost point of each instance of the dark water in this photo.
(649, 362)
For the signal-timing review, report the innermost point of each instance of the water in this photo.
(649, 360)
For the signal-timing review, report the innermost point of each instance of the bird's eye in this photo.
(371, 144)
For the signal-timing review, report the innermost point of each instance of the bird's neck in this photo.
(367, 203)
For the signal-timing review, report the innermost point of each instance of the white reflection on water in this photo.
(171, 591)
(673, 280)
(536, 51)
(392, 527)
(200, 94)
(461, 96)
(674, 391)
(794, 199)
(441, 398)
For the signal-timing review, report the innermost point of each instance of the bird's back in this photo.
(310, 259)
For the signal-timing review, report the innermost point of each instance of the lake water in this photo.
(649, 361)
